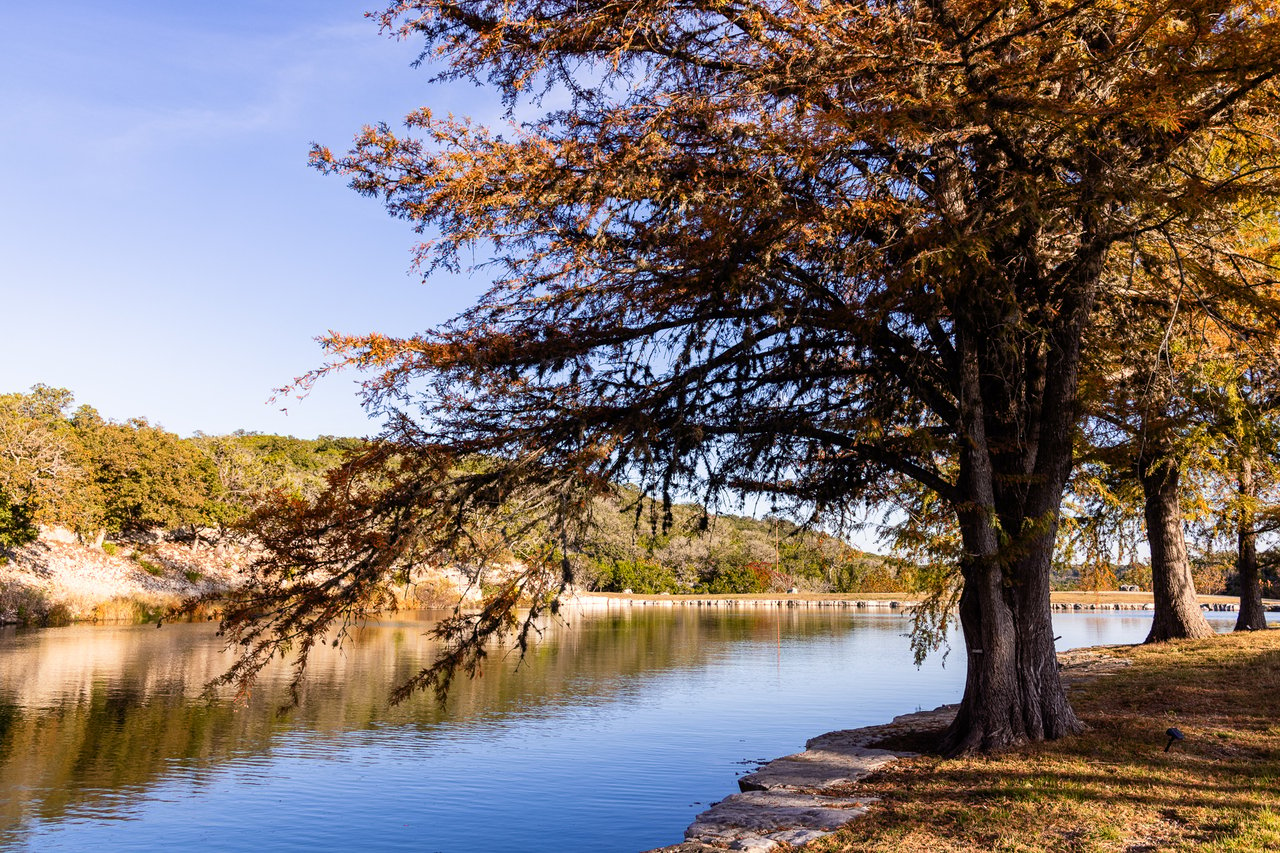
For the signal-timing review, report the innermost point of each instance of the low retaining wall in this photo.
(602, 602)
(611, 603)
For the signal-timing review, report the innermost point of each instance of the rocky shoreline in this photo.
(799, 798)
(56, 579)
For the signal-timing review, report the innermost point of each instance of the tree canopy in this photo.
(98, 477)
(799, 249)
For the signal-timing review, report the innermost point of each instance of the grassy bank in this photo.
(1113, 788)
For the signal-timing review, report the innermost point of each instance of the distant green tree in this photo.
(17, 526)
(141, 477)
(38, 456)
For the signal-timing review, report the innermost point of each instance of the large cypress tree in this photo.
(786, 248)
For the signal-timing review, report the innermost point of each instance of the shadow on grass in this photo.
(1113, 787)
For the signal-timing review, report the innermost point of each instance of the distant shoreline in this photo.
(879, 601)
(58, 580)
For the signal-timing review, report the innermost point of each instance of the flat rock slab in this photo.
(851, 741)
(817, 768)
(760, 820)
(782, 802)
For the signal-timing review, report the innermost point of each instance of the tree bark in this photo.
(1252, 616)
(1013, 690)
(1008, 513)
(1177, 611)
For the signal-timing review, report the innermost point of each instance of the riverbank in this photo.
(1059, 601)
(1114, 787)
(56, 580)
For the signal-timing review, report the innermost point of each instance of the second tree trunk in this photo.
(1177, 611)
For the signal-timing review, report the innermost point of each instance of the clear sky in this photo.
(165, 251)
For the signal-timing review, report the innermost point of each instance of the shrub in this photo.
(150, 567)
(640, 576)
(17, 527)
(1136, 574)
(728, 579)
(434, 592)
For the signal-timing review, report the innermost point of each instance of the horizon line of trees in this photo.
(65, 465)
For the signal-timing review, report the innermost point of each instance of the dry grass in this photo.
(1113, 788)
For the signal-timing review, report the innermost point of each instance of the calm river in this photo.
(614, 732)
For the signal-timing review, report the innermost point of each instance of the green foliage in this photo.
(149, 566)
(143, 478)
(110, 548)
(250, 465)
(76, 469)
(630, 545)
(731, 578)
(640, 576)
(17, 527)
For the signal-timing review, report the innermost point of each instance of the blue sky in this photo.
(164, 249)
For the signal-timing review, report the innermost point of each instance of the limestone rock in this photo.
(817, 768)
(759, 820)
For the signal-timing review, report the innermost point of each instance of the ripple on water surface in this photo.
(612, 734)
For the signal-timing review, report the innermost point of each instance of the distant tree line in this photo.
(629, 545)
(66, 465)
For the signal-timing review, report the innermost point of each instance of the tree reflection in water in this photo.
(99, 722)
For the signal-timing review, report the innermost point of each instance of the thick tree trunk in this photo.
(1252, 617)
(1013, 691)
(1177, 611)
(1015, 388)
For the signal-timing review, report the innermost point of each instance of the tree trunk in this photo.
(1013, 692)
(1177, 611)
(1252, 617)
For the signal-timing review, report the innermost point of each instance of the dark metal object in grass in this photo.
(1174, 736)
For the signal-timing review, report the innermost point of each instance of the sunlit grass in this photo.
(1114, 788)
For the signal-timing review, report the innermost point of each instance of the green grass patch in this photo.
(110, 548)
(193, 576)
(149, 566)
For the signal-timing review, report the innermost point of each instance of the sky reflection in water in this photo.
(611, 735)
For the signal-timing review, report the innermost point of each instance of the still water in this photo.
(610, 735)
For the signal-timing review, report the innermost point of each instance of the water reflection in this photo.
(608, 735)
